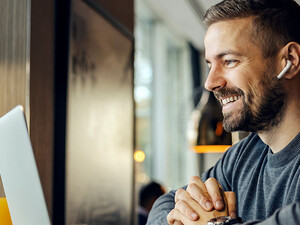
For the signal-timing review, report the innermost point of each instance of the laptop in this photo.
(19, 173)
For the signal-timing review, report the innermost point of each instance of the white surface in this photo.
(182, 18)
(19, 173)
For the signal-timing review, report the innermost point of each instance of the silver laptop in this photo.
(19, 173)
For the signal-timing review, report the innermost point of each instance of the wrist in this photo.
(224, 220)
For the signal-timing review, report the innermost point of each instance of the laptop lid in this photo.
(19, 173)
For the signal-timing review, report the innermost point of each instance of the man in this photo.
(247, 44)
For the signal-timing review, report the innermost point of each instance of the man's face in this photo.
(242, 80)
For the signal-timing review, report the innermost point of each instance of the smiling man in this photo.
(242, 77)
(247, 45)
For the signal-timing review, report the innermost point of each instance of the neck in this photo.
(280, 136)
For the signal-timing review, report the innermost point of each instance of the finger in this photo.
(176, 218)
(199, 193)
(186, 210)
(173, 216)
(231, 201)
(184, 204)
(181, 194)
(215, 192)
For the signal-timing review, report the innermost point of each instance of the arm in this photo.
(166, 203)
(289, 214)
(222, 172)
(186, 205)
(161, 208)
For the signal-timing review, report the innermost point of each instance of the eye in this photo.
(230, 63)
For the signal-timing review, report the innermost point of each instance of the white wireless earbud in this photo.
(285, 69)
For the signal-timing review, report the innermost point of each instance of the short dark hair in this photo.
(275, 22)
(149, 192)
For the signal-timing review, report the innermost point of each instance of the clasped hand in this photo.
(200, 202)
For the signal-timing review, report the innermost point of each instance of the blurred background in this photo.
(114, 101)
(170, 71)
(170, 100)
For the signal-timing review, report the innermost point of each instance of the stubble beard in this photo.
(261, 111)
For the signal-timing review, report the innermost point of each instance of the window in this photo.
(163, 96)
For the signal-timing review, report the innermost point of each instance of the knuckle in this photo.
(202, 197)
(217, 197)
(179, 204)
(211, 180)
(179, 191)
(178, 194)
(182, 207)
(196, 193)
(170, 216)
(214, 188)
(192, 186)
(171, 213)
(195, 179)
(193, 189)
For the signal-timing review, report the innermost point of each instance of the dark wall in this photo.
(121, 17)
(48, 88)
(42, 91)
(122, 11)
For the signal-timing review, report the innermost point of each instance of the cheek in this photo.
(249, 83)
(240, 79)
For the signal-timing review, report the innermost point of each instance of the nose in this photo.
(215, 80)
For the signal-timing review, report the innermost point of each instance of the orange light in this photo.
(219, 129)
(210, 148)
(4, 213)
(139, 156)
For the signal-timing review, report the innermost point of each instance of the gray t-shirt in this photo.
(267, 185)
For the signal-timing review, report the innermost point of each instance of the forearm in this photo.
(287, 215)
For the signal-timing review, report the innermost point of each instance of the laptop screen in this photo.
(19, 173)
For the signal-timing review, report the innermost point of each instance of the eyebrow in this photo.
(222, 54)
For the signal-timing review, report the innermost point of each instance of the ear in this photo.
(292, 53)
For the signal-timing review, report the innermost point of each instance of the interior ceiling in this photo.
(184, 17)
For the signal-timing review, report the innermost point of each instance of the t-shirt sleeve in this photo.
(161, 208)
(289, 214)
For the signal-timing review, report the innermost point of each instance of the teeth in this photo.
(230, 99)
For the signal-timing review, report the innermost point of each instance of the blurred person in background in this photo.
(147, 196)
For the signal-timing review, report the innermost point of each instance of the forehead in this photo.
(230, 35)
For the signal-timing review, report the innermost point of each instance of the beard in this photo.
(262, 108)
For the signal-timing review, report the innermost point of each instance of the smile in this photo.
(230, 99)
